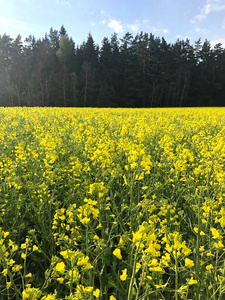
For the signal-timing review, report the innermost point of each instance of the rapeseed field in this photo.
(112, 204)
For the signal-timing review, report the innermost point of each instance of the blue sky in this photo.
(169, 18)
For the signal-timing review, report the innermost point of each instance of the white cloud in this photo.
(103, 22)
(210, 6)
(63, 3)
(217, 41)
(145, 21)
(197, 29)
(159, 30)
(14, 36)
(223, 25)
(102, 12)
(181, 37)
(115, 25)
(9, 24)
(201, 30)
(154, 29)
(133, 27)
(92, 23)
(198, 18)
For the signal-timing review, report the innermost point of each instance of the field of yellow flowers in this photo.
(112, 204)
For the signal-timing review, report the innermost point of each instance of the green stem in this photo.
(87, 240)
(131, 207)
(71, 282)
(24, 268)
(130, 261)
(197, 253)
(140, 283)
(176, 279)
(133, 276)
(7, 288)
(17, 292)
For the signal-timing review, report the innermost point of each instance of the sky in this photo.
(171, 19)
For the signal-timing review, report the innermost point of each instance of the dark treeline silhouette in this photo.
(135, 71)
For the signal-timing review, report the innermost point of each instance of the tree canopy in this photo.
(135, 71)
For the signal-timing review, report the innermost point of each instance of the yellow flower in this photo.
(5, 234)
(220, 244)
(137, 236)
(11, 243)
(138, 266)
(165, 259)
(4, 272)
(35, 248)
(201, 249)
(29, 275)
(23, 246)
(14, 248)
(85, 220)
(11, 262)
(60, 280)
(161, 286)
(8, 284)
(117, 253)
(74, 274)
(209, 267)
(25, 295)
(23, 255)
(215, 233)
(88, 289)
(141, 246)
(156, 269)
(88, 266)
(96, 293)
(123, 277)
(60, 267)
(210, 287)
(192, 281)
(185, 250)
(16, 268)
(112, 298)
(154, 263)
(189, 263)
(48, 297)
(83, 261)
(64, 254)
(100, 195)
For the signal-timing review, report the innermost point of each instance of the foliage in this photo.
(135, 71)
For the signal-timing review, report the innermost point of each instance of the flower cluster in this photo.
(112, 204)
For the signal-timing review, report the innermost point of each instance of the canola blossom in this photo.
(123, 276)
(112, 203)
(117, 253)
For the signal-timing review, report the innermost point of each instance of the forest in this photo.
(134, 71)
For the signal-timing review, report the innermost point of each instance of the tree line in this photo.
(134, 71)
